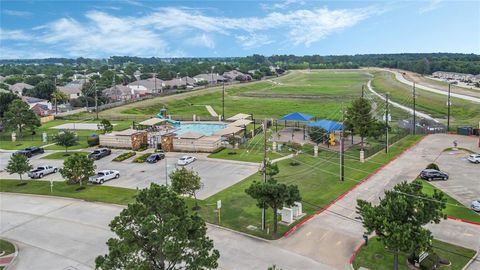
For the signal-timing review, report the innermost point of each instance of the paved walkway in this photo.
(211, 111)
(332, 236)
(61, 233)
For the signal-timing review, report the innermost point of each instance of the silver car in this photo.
(475, 205)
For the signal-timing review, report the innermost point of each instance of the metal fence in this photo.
(372, 150)
(35, 138)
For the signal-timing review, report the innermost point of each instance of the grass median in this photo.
(375, 256)
(63, 155)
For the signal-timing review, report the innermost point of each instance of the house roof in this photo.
(149, 84)
(117, 90)
(152, 121)
(32, 100)
(208, 77)
(2, 78)
(232, 74)
(18, 87)
(127, 132)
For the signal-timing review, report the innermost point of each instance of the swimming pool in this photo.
(207, 129)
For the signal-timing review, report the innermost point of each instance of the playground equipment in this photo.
(163, 115)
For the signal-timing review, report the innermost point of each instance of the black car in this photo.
(153, 158)
(99, 153)
(431, 174)
(30, 151)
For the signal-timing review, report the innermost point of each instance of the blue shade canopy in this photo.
(327, 125)
(296, 116)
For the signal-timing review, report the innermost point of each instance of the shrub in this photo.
(124, 156)
(142, 158)
(294, 146)
(433, 166)
(294, 163)
(93, 140)
(430, 263)
(143, 147)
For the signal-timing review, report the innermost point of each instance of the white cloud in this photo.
(202, 40)
(431, 5)
(253, 40)
(18, 35)
(17, 13)
(281, 5)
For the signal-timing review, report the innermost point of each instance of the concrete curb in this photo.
(238, 232)
(465, 221)
(471, 261)
(15, 254)
(352, 188)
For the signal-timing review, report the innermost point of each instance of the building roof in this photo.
(190, 135)
(240, 123)
(31, 100)
(239, 116)
(228, 130)
(118, 90)
(232, 74)
(152, 121)
(18, 87)
(2, 78)
(208, 77)
(296, 116)
(149, 84)
(74, 87)
(326, 125)
(126, 132)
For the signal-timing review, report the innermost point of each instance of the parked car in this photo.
(155, 157)
(475, 205)
(431, 174)
(99, 153)
(474, 158)
(103, 176)
(185, 160)
(41, 171)
(30, 151)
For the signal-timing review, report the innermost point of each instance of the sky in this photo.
(100, 29)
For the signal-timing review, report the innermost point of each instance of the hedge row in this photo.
(124, 156)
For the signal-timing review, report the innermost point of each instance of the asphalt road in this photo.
(333, 236)
(133, 175)
(60, 233)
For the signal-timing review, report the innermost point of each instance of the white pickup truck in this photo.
(103, 176)
(41, 171)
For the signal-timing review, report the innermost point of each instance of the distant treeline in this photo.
(424, 63)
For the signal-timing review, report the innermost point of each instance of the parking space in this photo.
(464, 177)
(133, 175)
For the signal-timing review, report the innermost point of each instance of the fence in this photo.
(35, 138)
(372, 150)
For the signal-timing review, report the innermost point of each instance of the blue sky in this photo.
(40, 29)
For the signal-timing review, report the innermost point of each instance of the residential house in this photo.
(148, 86)
(236, 75)
(42, 110)
(119, 93)
(32, 101)
(187, 82)
(73, 89)
(18, 87)
(454, 76)
(210, 78)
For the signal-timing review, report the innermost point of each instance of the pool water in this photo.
(202, 128)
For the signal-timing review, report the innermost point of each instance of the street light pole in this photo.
(223, 101)
(264, 170)
(448, 105)
(96, 97)
(386, 124)
(414, 112)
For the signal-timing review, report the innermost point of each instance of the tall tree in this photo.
(272, 170)
(66, 139)
(274, 195)
(5, 100)
(359, 118)
(77, 169)
(186, 182)
(43, 90)
(158, 232)
(18, 117)
(399, 219)
(318, 135)
(18, 164)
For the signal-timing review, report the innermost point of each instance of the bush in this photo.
(93, 140)
(143, 147)
(433, 166)
(142, 158)
(294, 163)
(124, 156)
(430, 263)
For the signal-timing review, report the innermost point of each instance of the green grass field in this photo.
(63, 155)
(462, 112)
(320, 93)
(374, 256)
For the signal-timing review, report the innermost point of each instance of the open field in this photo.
(316, 93)
(462, 112)
(369, 256)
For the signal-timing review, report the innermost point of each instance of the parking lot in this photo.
(464, 177)
(133, 175)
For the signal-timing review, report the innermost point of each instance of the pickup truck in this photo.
(41, 171)
(30, 151)
(99, 153)
(103, 176)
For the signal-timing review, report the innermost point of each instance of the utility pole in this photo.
(96, 97)
(342, 148)
(55, 96)
(386, 124)
(448, 105)
(414, 111)
(223, 101)
(264, 168)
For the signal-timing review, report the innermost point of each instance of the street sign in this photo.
(219, 204)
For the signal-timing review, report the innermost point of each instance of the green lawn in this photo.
(94, 193)
(462, 112)
(317, 180)
(63, 155)
(374, 256)
(9, 145)
(454, 208)
(6, 247)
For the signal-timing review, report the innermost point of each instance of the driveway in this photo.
(332, 236)
(133, 175)
(60, 233)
